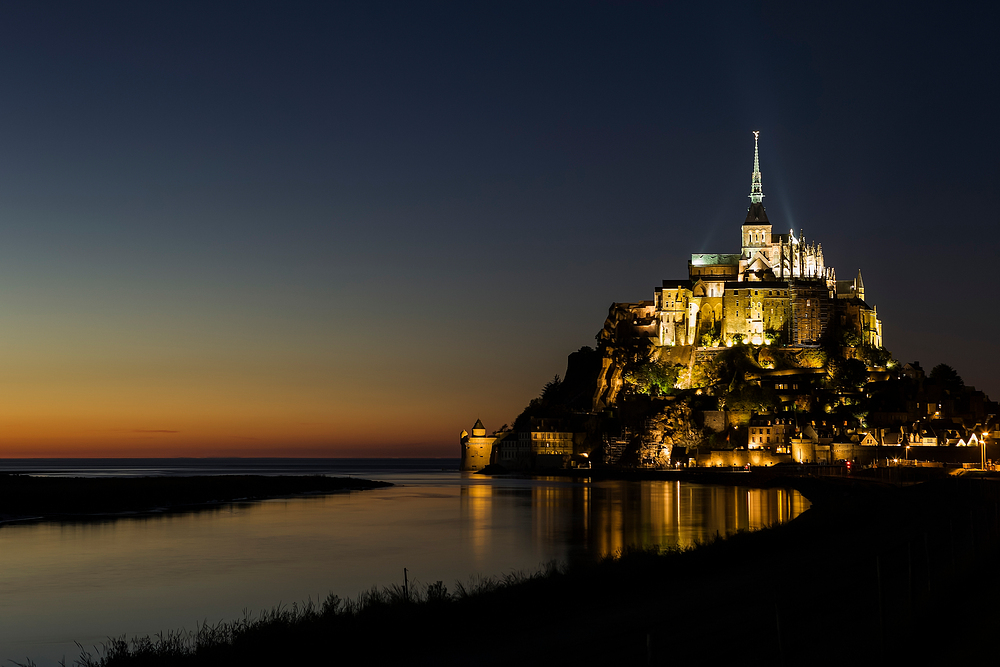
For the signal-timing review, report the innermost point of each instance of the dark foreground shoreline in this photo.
(25, 498)
(872, 573)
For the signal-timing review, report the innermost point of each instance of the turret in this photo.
(477, 449)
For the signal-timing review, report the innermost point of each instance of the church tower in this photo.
(757, 228)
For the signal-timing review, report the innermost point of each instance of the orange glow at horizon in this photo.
(190, 413)
(199, 373)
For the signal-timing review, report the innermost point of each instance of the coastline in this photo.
(26, 498)
(798, 477)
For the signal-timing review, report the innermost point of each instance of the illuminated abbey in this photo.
(777, 289)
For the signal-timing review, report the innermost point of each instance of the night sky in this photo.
(288, 229)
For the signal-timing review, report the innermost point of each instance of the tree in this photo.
(732, 365)
(947, 377)
(850, 338)
(848, 374)
(712, 337)
(775, 336)
(550, 389)
(877, 357)
(547, 404)
(752, 398)
(652, 377)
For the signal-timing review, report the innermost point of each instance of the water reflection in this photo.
(67, 582)
(605, 517)
(476, 508)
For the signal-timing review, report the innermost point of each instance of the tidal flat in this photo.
(25, 497)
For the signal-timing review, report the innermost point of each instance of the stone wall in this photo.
(718, 421)
(739, 458)
(807, 451)
(477, 452)
(866, 454)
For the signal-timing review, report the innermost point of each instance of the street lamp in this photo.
(982, 443)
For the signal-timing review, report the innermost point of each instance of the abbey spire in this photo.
(756, 194)
(756, 214)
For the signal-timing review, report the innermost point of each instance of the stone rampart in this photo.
(739, 458)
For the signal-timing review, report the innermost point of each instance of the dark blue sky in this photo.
(309, 215)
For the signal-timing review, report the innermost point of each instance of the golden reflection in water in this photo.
(476, 505)
(148, 574)
(606, 517)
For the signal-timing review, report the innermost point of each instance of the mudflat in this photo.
(26, 497)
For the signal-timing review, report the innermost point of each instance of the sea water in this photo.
(86, 581)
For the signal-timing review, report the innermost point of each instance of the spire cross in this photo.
(756, 193)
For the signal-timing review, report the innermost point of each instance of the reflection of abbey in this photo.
(778, 288)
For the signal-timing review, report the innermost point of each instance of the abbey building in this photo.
(777, 289)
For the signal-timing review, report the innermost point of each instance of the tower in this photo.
(756, 193)
(756, 228)
(477, 449)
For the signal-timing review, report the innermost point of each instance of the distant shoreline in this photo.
(25, 498)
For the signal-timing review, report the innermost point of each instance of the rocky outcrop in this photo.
(601, 398)
(674, 425)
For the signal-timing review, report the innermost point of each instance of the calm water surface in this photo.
(67, 582)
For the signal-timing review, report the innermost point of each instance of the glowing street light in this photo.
(982, 452)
